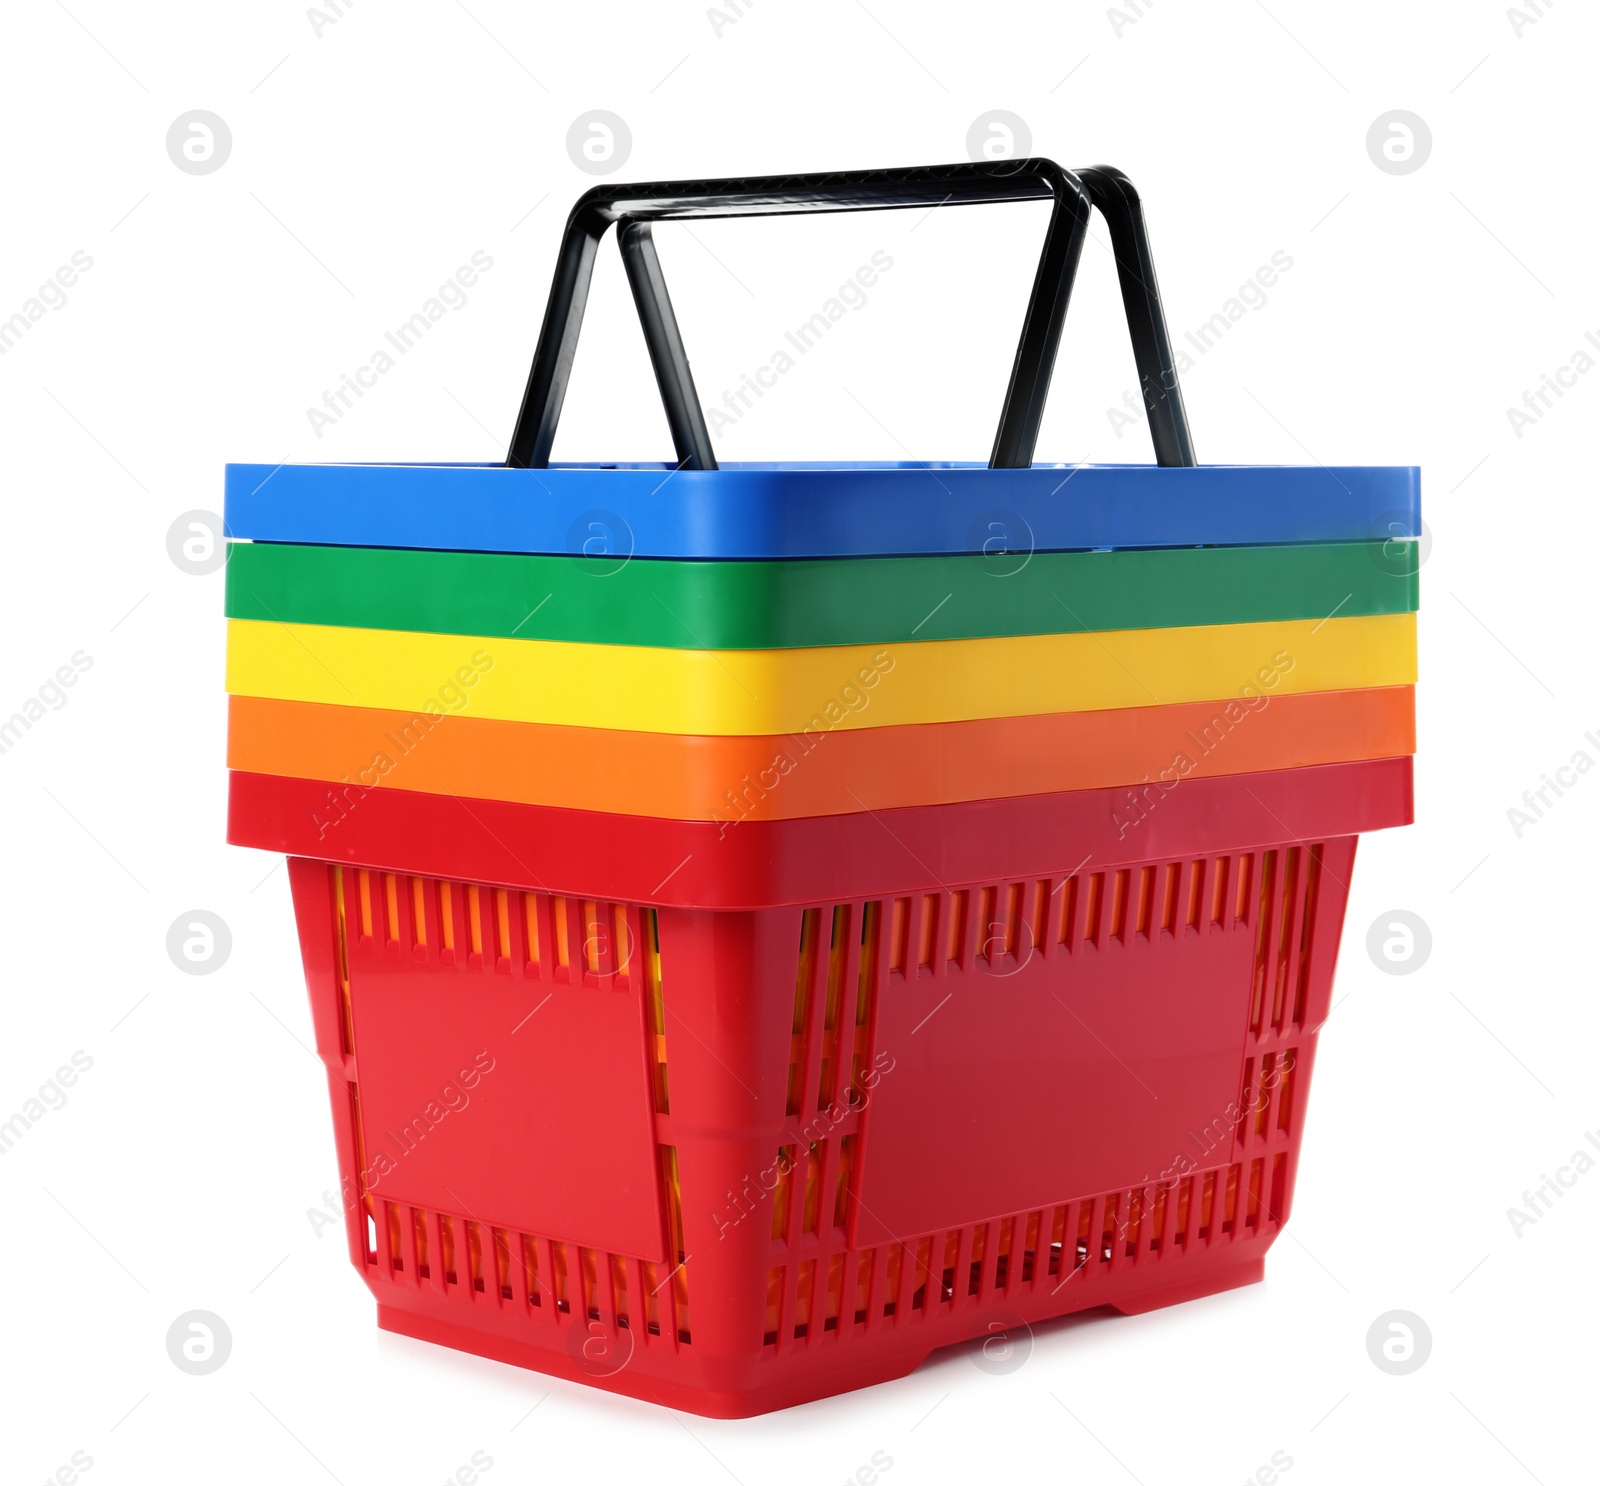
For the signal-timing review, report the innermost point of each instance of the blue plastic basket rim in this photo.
(822, 509)
(802, 466)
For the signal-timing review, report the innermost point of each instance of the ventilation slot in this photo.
(838, 954)
(956, 938)
(899, 935)
(861, 1033)
(1308, 917)
(482, 928)
(473, 925)
(655, 1010)
(1286, 928)
(805, 974)
(1037, 1252)
(1285, 904)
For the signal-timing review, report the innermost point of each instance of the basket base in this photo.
(853, 1255)
(672, 1393)
(1196, 1288)
(796, 1387)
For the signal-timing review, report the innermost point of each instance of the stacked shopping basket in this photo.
(766, 923)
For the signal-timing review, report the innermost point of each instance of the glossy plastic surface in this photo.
(830, 601)
(635, 207)
(818, 1144)
(840, 510)
(728, 780)
(730, 1114)
(820, 858)
(822, 690)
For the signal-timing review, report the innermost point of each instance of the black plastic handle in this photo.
(1113, 193)
(635, 207)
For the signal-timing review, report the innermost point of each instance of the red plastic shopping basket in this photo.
(731, 1119)
(734, 1159)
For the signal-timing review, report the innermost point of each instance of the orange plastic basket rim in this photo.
(786, 776)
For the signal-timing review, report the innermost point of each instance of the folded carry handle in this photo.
(634, 208)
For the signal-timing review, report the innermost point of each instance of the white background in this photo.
(368, 163)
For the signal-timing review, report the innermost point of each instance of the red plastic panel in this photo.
(766, 863)
(494, 1080)
(1086, 1062)
(808, 1117)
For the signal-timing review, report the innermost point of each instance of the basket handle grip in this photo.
(1073, 195)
